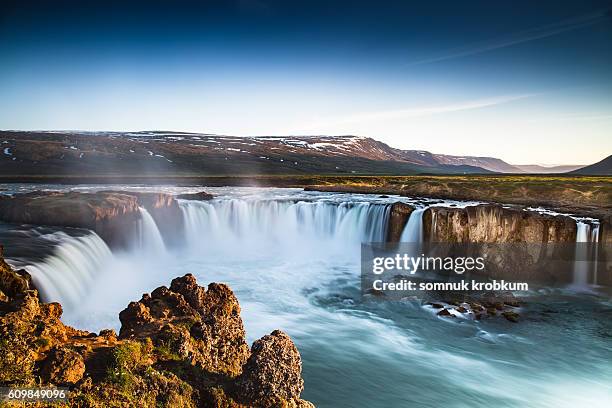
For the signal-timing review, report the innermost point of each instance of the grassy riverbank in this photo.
(583, 194)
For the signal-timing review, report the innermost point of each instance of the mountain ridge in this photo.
(161, 152)
(601, 168)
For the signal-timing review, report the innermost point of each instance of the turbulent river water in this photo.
(292, 258)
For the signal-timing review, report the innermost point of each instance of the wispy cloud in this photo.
(519, 37)
(575, 117)
(414, 112)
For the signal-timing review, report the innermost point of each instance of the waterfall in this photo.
(282, 222)
(149, 237)
(595, 241)
(67, 275)
(413, 231)
(585, 233)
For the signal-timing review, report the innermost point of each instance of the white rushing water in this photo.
(230, 222)
(586, 233)
(292, 258)
(78, 260)
(149, 237)
(413, 231)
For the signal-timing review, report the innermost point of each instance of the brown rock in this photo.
(511, 316)
(199, 196)
(203, 325)
(62, 366)
(445, 313)
(398, 218)
(273, 371)
(12, 282)
(180, 347)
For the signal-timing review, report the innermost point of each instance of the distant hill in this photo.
(601, 168)
(488, 163)
(177, 153)
(535, 168)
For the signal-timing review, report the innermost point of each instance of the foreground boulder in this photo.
(272, 373)
(182, 346)
(201, 325)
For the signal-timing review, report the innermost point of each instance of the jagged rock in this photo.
(182, 346)
(62, 366)
(203, 325)
(12, 282)
(273, 371)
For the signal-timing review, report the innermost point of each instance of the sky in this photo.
(528, 82)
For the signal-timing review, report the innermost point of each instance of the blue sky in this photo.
(529, 82)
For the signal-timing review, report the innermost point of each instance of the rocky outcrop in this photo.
(398, 218)
(182, 346)
(201, 325)
(272, 373)
(113, 215)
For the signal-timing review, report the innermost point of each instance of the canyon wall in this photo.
(520, 245)
(492, 223)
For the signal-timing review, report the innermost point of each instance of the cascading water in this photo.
(150, 239)
(67, 275)
(413, 231)
(283, 222)
(595, 241)
(585, 233)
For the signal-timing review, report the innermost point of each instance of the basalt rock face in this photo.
(491, 223)
(528, 246)
(113, 215)
(398, 218)
(182, 346)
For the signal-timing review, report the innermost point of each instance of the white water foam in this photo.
(67, 276)
(149, 237)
